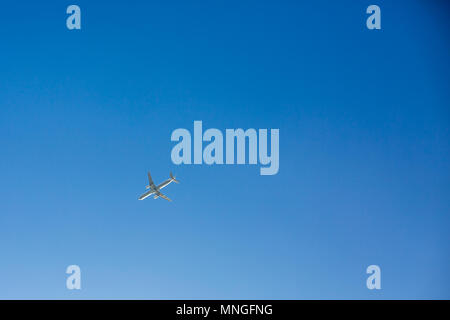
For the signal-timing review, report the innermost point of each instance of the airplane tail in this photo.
(173, 178)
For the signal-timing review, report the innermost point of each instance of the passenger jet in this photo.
(155, 189)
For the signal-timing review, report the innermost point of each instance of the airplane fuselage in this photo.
(164, 184)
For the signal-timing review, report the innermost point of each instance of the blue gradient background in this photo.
(364, 149)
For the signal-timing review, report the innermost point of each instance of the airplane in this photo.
(155, 189)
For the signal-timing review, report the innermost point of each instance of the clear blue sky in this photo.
(364, 149)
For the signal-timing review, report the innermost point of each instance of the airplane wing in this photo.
(145, 195)
(150, 181)
(163, 196)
